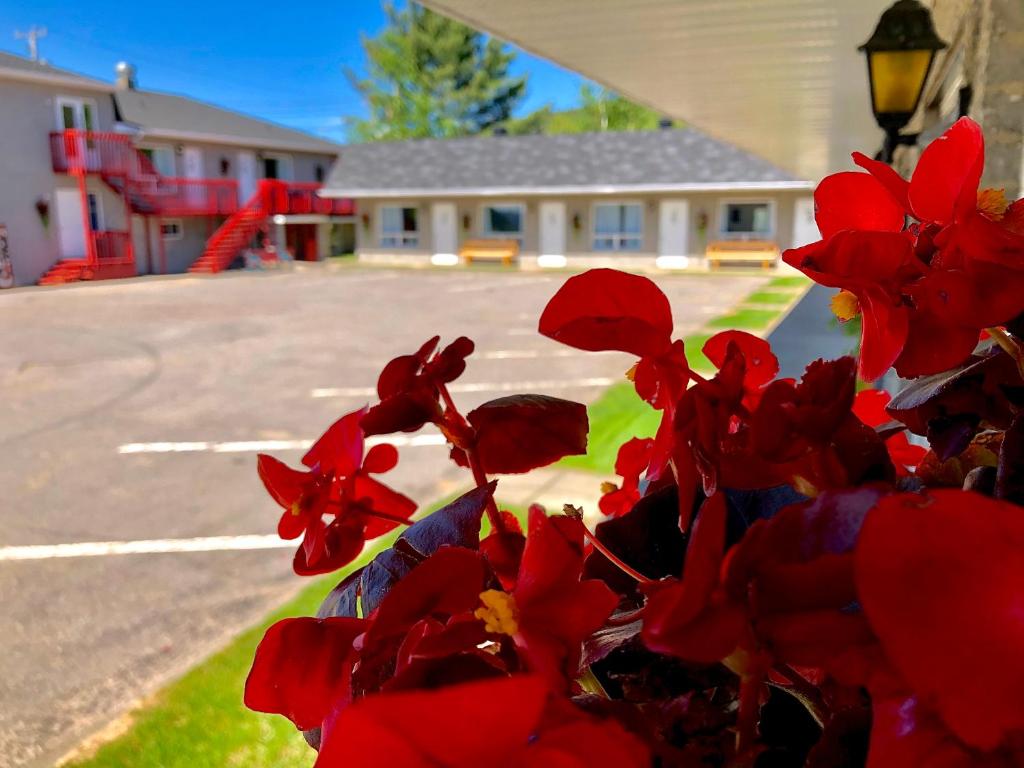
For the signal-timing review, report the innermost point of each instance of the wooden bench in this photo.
(763, 251)
(504, 251)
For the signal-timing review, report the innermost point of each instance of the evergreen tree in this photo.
(430, 76)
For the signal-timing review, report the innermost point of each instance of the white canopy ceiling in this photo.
(782, 78)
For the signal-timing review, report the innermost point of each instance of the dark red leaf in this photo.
(523, 432)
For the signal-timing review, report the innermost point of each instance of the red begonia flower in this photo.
(693, 618)
(939, 577)
(760, 365)
(632, 460)
(302, 668)
(855, 201)
(504, 723)
(605, 309)
(337, 485)
(550, 612)
(409, 387)
(869, 407)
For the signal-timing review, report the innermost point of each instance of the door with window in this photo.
(74, 114)
(193, 162)
(246, 176)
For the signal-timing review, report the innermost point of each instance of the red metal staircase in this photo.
(235, 234)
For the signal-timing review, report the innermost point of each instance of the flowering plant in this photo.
(782, 578)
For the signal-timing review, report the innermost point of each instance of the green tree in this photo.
(599, 110)
(430, 76)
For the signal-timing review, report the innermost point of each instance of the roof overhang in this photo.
(618, 189)
(780, 78)
(235, 141)
(55, 78)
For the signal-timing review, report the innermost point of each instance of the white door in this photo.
(246, 176)
(78, 114)
(445, 238)
(69, 223)
(552, 235)
(673, 234)
(805, 229)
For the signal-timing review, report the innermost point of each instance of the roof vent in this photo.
(125, 76)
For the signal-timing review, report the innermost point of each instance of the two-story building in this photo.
(105, 179)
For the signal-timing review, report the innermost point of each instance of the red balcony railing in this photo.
(92, 152)
(112, 247)
(172, 196)
(296, 198)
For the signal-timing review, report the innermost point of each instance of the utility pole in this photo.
(32, 37)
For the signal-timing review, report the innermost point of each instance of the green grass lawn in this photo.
(769, 297)
(792, 281)
(746, 319)
(616, 416)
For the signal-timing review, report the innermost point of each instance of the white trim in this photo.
(402, 245)
(68, 81)
(618, 235)
(723, 233)
(240, 141)
(79, 102)
(483, 229)
(583, 189)
(171, 238)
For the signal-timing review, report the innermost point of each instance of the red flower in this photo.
(337, 485)
(632, 460)
(869, 407)
(410, 387)
(504, 723)
(550, 611)
(939, 577)
(303, 669)
(959, 270)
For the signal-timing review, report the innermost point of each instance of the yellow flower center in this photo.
(993, 203)
(296, 508)
(498, 612)
(845, 306)
(609, 487)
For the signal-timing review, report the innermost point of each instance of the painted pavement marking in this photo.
(256, 446)
(145, 547)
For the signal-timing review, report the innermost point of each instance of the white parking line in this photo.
(145, 547)
(530, 354)
(255, 446)
(483, 386)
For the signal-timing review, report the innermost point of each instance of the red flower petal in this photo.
(302, 669)
(339, 451)
(858, 201)
(869, 407)
(605, 309)
(471, 724)
(380, 458)
(896, 185)
(761, 364)
(399, 375)
(939, 577)
(934, 343)
(884, 330)
(284, 484)
(945, 182)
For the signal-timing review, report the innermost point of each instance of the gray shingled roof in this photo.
(482, 164)
(170, 115)
(11, 61)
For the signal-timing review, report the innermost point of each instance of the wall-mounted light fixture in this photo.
(900, 54)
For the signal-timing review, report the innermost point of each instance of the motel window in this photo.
(171, 229)
(398, 227)
(503, 221)
(618, 227)
(747, 219)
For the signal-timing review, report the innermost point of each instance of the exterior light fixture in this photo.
(900, 55)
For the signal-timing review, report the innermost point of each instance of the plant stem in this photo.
(588, 682)
(613, 558)
(1009, 346)
(746, 724)
(479, 476)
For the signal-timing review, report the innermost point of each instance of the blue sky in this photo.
(253, 57)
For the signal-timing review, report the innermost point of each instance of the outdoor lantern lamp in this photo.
(900, 55)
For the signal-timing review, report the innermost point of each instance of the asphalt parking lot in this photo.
(132, 411)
